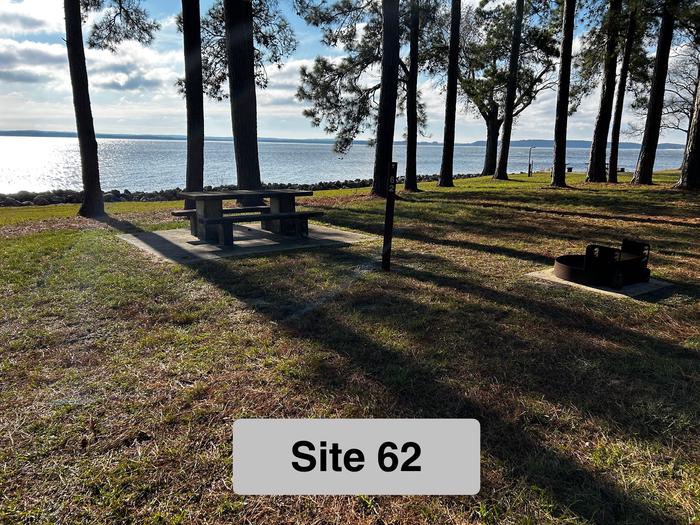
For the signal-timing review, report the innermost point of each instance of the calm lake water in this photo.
(40, 164)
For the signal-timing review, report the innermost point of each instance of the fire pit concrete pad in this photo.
(179, 246)
(630, 291)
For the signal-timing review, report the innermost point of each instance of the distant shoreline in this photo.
(533, 143)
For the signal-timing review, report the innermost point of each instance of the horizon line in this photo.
(169, 136)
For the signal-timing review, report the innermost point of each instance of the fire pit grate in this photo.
(606, 266)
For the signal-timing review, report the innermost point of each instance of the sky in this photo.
(133, 90)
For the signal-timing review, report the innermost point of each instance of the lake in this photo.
(41, 164)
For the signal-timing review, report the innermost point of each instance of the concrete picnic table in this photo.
(209, 208)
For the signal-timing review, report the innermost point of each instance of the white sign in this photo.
(356, 456)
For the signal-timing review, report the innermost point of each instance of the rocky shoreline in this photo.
(28, 198)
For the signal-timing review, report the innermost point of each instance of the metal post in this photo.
(529, 162)
(389, 218)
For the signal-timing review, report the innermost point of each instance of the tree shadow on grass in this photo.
(599, 365)
(426, 228)
(359, 222)
(420, 389)
(586, 215)
(656, 202)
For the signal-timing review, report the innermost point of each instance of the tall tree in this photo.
(343, 93)
(484, 67)
(93, 203)
(387, 96)
(630, 40)
(691, 115)
(238, 15)
(194, 96)
(423, 21)
(591, 72)
(502, 166)
(119, 20)
(596, 162)
(562, 110)
(411, 179)
(253, 34)
(273, 39)
(679, 96)
(448, 141)
(690, 174)
(647, 155)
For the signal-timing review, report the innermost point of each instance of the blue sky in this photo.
(133, 90)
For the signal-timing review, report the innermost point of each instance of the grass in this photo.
(120, 376)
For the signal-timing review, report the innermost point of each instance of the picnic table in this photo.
(211, 222)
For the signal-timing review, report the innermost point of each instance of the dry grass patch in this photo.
(121, 376)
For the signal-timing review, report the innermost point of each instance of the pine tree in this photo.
(119, 20)
(652, 128)
(511, 91)
(596, 163)
(194, 96)
(562, 110)
(448, 140)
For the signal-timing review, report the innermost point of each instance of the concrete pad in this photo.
(626, 292)
(180, 246)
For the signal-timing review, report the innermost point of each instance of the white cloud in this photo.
(132, 68)
(30, 16)
(133, 90)
(27, 62)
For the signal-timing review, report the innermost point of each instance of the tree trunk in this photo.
(241, 76)
(411, 182)
(448, 146)
(387, 97)
(596, 161)
(690, 176)
(493, 126)
(194, 97)
(93, 200)
(647, 156)
(511, 89)
(620, 101)
(562, 111)
(690, 120)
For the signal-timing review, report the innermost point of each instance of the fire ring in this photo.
(606, 266)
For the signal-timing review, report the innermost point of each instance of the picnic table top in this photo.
(235, 194)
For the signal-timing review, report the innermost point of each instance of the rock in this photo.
(57, 199)
(24, 196)
(41, 200)
(9, 201)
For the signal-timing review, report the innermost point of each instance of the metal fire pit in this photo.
(606, 266)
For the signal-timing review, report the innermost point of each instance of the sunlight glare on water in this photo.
(38, 164)
(48, 163)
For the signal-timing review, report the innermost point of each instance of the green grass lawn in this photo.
(120, 375)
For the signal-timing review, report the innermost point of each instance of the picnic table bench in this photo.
(211, 222)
